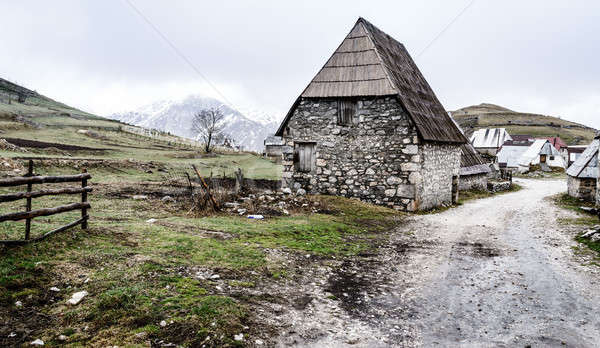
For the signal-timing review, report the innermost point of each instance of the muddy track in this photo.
(498, 272)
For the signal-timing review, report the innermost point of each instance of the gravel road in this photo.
(496, 272)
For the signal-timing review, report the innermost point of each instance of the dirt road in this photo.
(497, 272)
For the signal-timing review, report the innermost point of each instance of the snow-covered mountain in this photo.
(248, 128)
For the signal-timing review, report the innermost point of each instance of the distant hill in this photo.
(247, 128)
(485, 115)
(39, 126)
(19, 101)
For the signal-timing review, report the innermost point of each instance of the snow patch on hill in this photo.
(248, 128)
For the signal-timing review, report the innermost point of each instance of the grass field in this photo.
(185, 278)
(139, 273)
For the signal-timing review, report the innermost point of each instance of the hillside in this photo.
(486, 115)
(41, 127)
(248, 129)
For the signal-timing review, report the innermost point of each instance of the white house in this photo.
(489, 140)
(583, 174)
(541, 153)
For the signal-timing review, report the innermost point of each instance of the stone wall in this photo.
(377, 158)
(473, 182)
(585, 189)
(440, 163)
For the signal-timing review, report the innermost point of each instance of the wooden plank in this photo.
(60, 229)
(214, 202)
(34, 194)
(83, 201)
(28, 204)
(43, 212)
(43, 179)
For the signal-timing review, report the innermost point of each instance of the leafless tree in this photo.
(208, 127)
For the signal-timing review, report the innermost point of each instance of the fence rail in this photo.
(28, 195)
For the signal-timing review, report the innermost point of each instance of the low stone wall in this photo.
(585, 189)
(498, 186)
(473, 182)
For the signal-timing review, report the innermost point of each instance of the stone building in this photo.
(273, 146)
(369, 126)
(582, 175)
(473, 170)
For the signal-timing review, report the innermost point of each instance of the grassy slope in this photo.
(141, 273)
(488, 115)
(584, 219)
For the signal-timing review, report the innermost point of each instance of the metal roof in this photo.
(586, 165)
(510, 154)
(541, 147)
(274, 140)
(489, 138)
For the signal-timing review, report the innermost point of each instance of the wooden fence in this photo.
(28, 195)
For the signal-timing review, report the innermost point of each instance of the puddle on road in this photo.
(476, 249)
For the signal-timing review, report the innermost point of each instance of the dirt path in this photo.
(497, 272)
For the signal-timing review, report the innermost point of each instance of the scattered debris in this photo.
(256, 217)
(77, 297)
(92, 134)
(590, 210)
(151, 221)
(62, 338)
(163, 323)
(37, 342)
(12, 334)
(215, 277)
(239, 337)
(259, 342)
(18, 304)
(6, 146)
(140, 197)
(168, 199)
(55, 289)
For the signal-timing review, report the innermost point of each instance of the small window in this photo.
(346, 111)
(304, 157)
(552, 158)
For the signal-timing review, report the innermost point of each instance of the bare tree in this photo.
(208, 127)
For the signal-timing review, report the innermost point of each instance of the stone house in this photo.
(273, 146)
(582, 175)
(473, 170)
(369, 126)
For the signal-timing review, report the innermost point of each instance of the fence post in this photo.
(84, 224)
(28, 203)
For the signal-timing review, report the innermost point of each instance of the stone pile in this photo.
(272, 203)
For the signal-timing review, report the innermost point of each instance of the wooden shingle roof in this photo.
(371, 63)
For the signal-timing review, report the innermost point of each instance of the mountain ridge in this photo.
(175, 116)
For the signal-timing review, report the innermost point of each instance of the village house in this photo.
(273, 146)
(582, 176)
(541, 153)
(561, 146)
(574, 152)
(369, 126)
(473, 170)
(511, 152)
(488, 141)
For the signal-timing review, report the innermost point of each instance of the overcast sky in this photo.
(536, 56)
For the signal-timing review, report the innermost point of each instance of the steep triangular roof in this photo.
(586, 166)
(371, 63)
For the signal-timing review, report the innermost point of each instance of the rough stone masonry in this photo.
(378, 157)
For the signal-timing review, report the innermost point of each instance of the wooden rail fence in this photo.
(28, 195)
